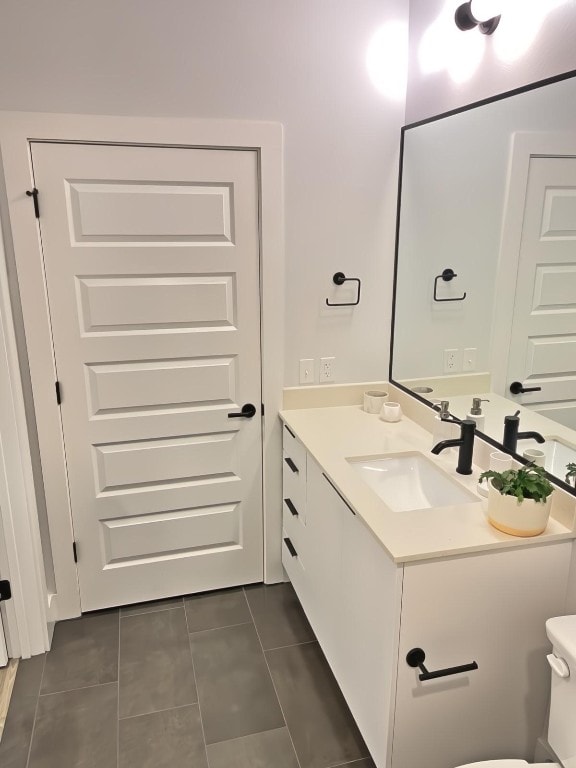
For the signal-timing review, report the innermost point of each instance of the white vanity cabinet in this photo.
(368, 612)
(489, 608)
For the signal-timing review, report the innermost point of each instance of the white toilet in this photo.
(561, 632)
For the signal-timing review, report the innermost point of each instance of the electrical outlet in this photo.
(307, 371)
(469, 363)
(451, 361)
(327, 369)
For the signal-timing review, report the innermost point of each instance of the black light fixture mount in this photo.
(465, 20)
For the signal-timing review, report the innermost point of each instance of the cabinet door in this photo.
(371, 586)
(490, 609)
(357, 590)
(323, 556)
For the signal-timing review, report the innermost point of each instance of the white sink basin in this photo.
(557, 453)
(407, 481)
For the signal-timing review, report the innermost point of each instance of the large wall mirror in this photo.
(485, 283)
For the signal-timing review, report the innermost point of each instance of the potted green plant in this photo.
(571, 473)
(519, 500)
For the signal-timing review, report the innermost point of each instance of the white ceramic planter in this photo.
(507, 514)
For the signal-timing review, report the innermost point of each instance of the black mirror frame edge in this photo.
(498, 97)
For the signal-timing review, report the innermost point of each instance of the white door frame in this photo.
(26, 621)
(16, 131)
(524, 146)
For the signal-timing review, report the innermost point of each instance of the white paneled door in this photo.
(543, 340)
(152, 268)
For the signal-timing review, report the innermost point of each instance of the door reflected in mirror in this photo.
(485, 290)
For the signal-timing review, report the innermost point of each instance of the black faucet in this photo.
(465, 443)
(511, 434)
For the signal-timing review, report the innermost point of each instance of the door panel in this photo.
(152, 269)
(543, 340)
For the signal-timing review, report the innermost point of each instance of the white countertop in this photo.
(331, 435)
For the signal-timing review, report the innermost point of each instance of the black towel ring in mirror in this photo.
(339, 279)
(447, 275)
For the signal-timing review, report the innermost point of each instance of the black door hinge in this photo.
(33, 193)
(262, 408)
(75, 551)
(58, 393)
(5, 590)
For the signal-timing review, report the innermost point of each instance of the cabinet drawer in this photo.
(294, 486)
(296, 571)
(295, 451)
(293, 524)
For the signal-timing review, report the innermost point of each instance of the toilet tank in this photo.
(561, 632)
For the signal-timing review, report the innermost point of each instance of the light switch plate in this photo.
(469, 362)
(307, 371)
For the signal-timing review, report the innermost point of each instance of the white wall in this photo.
(551, 53)
(301, 63)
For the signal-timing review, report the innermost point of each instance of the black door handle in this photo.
(517, 388)
(248, 410)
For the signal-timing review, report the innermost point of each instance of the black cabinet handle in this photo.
(517, 388)
(291, 464)
(247, 412)
(416, 658)
(290, 547)
(291, 507)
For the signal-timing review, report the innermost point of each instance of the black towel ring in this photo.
(339, 278)
(447, 275)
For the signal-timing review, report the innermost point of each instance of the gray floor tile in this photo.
(322, 728)
(155, 663)
(170, 739)
(216, 610)
(84, 652)
(366, 762)
(235, 691)
(271, 749)
(15, 743)
(76, 729)
(278, 615)
(151, 607)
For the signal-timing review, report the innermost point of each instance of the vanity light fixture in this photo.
(483, 14)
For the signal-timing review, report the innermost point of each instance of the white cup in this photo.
(374, 400)
(391, 412)
(500, 462)
(535, 455)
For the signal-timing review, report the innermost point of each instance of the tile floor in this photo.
(229, 679)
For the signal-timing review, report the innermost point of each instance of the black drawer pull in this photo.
(338, 492)
(290, 547)
(287, 428)
(291, 507)
(291, 464)
(416, 658)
